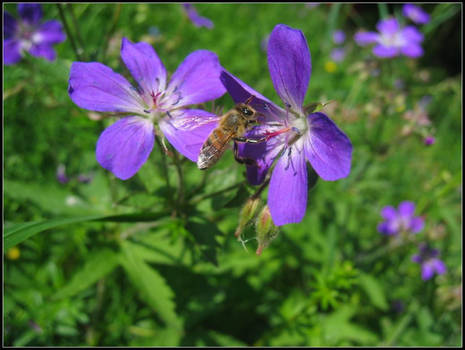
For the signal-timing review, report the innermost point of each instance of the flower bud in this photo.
(248, 212)
(266, 230)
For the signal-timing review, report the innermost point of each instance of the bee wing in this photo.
(187, 130)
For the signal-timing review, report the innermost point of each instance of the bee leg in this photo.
(242, 160)
(244, 139)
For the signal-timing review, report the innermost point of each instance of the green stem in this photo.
(68, 32)
(201, 198)
(78, 32)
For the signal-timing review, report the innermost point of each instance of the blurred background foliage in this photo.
(153, 260)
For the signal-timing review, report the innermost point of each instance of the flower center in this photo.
(392, 39)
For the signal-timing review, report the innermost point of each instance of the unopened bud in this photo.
(248, 212)
(266, 230)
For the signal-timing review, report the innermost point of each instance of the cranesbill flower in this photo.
(293, 137)
(124, 146)
(339, 36)
(338, 54)
(400, 220)
(430, 263)
(29, 34)
(195, 18)
(415, 13)
(429, 140)
(392, 40)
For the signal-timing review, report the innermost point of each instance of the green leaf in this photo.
(17, 233)
(374, 291)
(98, 265)
(152, 286)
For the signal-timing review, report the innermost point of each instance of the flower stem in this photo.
(68, 32)
(78, 32)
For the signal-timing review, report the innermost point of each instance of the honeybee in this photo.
(232, 126)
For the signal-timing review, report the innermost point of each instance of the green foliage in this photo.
(152, 261)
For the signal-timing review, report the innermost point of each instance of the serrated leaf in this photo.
(374, 291)
(152, 286)
(98, 265)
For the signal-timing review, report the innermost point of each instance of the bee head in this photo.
(246, 110)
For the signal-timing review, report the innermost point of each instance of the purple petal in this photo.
(30, 13)
(241, 92)
(389, 212)
(415, 13)
(50, 32)
(11, 51)
(339, 36)
(427, 270)
(387, 228)
(43, 50)
(96, 87)
(412, 50)
(287, 195)
(438, 266)
(187, 130)
(338, 54)
(410, 33)
(416, 224)
(385, 51)
(416, 258)
(145, 66)
(9, 25)
(327, 148)
(196, 80)
(406, 209)
(388, 26)
(366, 38)
(196, 19)
(124, 146)
(290, 65)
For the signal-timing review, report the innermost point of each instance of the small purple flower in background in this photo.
(392, 40)
(338, 54)
(400, 220)
(339, 37)
(430, 263)
(61, 174)
(195, 18)
(429, 140)
(29, 34)
(124, 146)
(415, 13)
(293, 137)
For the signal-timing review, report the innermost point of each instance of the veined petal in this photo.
(196, 80)
(290, 65)
(145, 66)
(287, 195)
(43, 50)
(9, 25)
(327, 148)
(241, 92)
(30, 13)
(124, 146)
(365, 38)
(50, 32)
(188, 129)
(11, 51)
(96, 87)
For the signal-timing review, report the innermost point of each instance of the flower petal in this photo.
(196, 19)
(30, 13)
(9, 25)
(406, 209)
(11, 51)
(145, 66)
(385, 51)
(410, 33)
(365, 38)
(241, 92)
(187, 130)
(388, 26)
(439, 266)
(416, 258)
(196, 80)
(290, 65)
(43, 50)
(412, 50)
(124, 146)
(96, 87)
(389, 212)
(287, 196)
(327, 148)
(427, 270)
(416, 224)
(50, 32)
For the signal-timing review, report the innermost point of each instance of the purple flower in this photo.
(396, 221)
(61, 174)
(28, 33)
(430, 263)
(125, 146)
(338, 54)
(293, 138)
(196, 19)
(392, 40)
(429, 140)
(415, 13)
(339, 36)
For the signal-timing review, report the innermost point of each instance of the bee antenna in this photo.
(251, 97)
